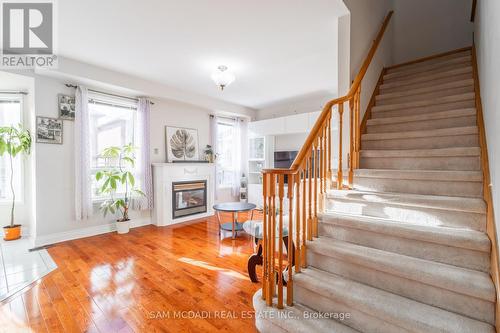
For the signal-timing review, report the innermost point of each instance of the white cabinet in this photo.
(267, 127)
(258, 147)
(312, 117)
(296, 123)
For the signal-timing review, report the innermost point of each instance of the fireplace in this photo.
(189, 198)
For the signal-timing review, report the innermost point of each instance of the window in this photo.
(11, 110)
(112, 123)
(225, 152)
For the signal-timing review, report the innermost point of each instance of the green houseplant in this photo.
(209, 154)
(14, 140)
(118, 177)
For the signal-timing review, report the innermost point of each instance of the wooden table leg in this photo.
(253, 261)
(257, 259)
(285, 240)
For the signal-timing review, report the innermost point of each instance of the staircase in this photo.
(406, 249)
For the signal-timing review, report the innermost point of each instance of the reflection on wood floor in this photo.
(145, 281)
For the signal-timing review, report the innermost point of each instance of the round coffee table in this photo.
(234, 208)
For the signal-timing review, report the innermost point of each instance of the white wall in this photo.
(55, 212)
(172, 113)
(53, 165)
(366, 19)
(177, 114)
(427, 27)
(362, 25)
(487, 35)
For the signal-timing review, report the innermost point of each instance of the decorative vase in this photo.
(122, 227)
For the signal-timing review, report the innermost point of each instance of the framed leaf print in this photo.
(182, 144)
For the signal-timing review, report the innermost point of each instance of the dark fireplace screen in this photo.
(189, 198)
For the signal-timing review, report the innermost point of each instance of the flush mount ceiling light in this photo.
(223, 77)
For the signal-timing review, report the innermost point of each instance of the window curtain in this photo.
(83, 201)
(213, 143)
(240, 135)
(144, 171)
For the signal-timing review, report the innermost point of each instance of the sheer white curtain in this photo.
(83, 200)
(213, 143)
(144, 159)
(240, 154)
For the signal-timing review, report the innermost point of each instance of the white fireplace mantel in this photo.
(166, 173)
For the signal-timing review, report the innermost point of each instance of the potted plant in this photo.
(209, 154)
(118, 182)
(14, 140)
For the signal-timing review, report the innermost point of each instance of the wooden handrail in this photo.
(327, 108)
(309, 177)
(473, 10)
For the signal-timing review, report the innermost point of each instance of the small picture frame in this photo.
(49, 130)
(66, 107)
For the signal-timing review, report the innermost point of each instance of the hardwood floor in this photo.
(145, 281)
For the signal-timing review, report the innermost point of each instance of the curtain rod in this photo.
(227, 117)
(105, 93)
(14, 92)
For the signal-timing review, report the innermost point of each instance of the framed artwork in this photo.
(66, 107)
(49, 130)
(182, 144)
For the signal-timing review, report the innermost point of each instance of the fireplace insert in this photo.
(189, 198)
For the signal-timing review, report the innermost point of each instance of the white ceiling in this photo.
(278, 49)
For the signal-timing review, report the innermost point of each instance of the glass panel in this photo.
(191, 198)
(256, 148)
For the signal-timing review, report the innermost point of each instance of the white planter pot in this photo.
(123, 227)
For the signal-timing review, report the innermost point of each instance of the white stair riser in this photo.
(423, 143)
(410, 214)
(409, 75)
(456, 256)
(454, 57)
(424, 293)
(424, 96)
(423, 125)
(452, 163)
(358, 320)
(428, 187)
(437, 82)
(424, 109)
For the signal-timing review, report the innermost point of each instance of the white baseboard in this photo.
(85, 232)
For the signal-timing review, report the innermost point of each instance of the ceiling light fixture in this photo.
(223, 77)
